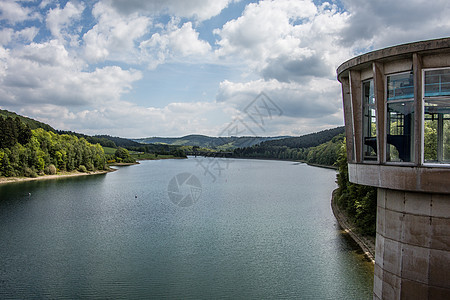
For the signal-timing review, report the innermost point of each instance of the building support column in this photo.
(412, 252)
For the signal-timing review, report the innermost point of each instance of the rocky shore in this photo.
(367, 244)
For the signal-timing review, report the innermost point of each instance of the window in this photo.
(400, 117)
(369, 122)
(436, 124)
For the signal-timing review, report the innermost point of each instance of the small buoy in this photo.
(135, 196)
(29, 194)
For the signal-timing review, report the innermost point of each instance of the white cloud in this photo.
(60, 19)
(377, 24)
(285, 39)
(316, 98)
(13, 12)
(199, 9)
(46, 74)
(8, 35)
(126, 119)
(114, 36)
(174, 42)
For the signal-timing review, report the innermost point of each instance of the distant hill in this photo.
(307, 140)
(315, 148)
(219, 143)
(32, 123)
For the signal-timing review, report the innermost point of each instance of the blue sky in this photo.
(135, 68)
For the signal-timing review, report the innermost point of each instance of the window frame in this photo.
(423, 99)
(376, 158)
(386, 118)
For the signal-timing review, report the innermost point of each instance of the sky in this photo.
(134, 68)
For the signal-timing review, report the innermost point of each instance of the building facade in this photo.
(397, 121)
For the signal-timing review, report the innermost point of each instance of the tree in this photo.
(359, 201)
(122, 155)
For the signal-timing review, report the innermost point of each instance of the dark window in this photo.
(369, 122)
(400, 117)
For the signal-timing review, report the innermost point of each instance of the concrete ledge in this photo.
(395, 52)
(403, 178)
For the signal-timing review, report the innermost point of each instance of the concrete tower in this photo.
(397, 122)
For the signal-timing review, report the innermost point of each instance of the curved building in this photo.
(397, 120)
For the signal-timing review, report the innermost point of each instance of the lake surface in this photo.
(247, 229)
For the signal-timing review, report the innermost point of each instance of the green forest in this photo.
(316, 148)
(32, 152)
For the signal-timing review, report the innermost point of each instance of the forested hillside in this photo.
(32, 152)
(316, 148)
(307, 140)
(33, 124)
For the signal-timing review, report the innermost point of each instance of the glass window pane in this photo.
(400, 131)
(446, 139)
(369, 122)
(400, 86)
(437, 131)
(437, 83)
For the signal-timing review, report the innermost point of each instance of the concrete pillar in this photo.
(412, 256)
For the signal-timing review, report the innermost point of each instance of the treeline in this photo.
(27, 152)
(105, 142)
(160, 149)
(319, 150)
(308, 140)
(359, 201)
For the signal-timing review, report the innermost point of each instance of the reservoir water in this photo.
(248, 229)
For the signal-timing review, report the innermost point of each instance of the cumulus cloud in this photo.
(13, 12)
(199, 9)
(59, 20)
(47, 74)
(377, 24)
(8, 35)
(114, 35)
(126, 119)
(285, 40)
(316, 98)
(172, 42)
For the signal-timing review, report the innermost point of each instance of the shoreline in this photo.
(6, 180)
(367, 244)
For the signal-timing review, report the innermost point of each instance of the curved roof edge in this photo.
(398, 50)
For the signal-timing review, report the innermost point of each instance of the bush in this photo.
(50, 170)
(90, 166)
(29, 172)
(82, 168)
